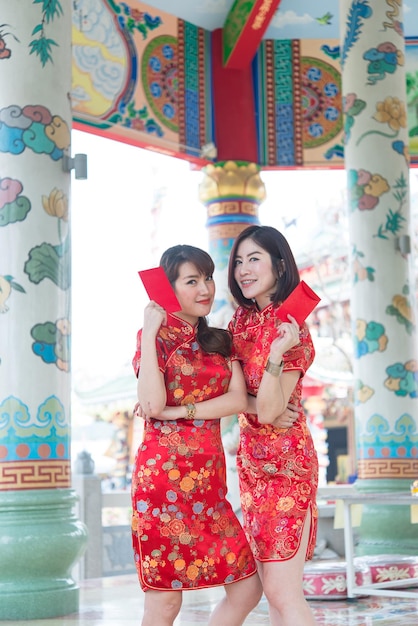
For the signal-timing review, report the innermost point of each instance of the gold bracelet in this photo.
(191, 411)
(273, 368)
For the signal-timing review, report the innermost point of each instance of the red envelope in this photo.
(299, 304)
(159, 289)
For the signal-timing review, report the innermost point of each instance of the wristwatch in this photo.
(275, 369)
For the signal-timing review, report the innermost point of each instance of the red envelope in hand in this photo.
(159, 289)
(299, 304)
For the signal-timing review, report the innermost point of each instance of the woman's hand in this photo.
(287, 337)
(139, 412)
(154, 316)
(288, 417)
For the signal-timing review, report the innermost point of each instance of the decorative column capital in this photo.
(231, 191)
(232, 179)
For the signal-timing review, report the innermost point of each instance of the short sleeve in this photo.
(136, 361)
(160, 348)
(300, 357)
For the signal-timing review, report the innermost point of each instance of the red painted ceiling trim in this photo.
(234, 108)
(239, 50)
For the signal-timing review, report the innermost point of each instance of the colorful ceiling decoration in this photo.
(150, 78)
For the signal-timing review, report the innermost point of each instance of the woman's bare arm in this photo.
(229, 403)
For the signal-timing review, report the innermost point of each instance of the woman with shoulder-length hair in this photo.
(277, 461)
(185, 533)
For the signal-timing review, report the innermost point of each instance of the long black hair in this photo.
(211, 339)
(282, 259)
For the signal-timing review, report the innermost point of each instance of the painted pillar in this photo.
(231, 191)
(383, 283)
(41, 538)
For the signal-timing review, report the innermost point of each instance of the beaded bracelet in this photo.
(191, 411)
(273, 368)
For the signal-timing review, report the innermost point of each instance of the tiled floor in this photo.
(118, 601)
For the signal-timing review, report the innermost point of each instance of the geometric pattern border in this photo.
(388, 468)
(20, 475)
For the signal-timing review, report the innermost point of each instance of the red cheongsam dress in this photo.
(277, 468)
(184, 531)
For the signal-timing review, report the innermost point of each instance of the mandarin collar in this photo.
(174, 320)
(266, 313)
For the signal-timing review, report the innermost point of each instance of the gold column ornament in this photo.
(232, 191)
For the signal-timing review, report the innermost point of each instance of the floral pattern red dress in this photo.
(185, 534)
(277, 468)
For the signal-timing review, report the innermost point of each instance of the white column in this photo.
(35, 313)
(383, 282)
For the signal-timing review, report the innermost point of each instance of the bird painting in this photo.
(325, 20)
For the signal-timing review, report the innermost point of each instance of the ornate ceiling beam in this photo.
(243, 30)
